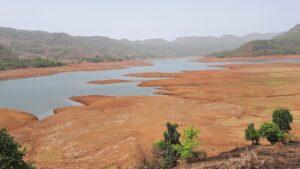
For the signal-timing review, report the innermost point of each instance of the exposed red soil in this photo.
(107, 130)
(12, 119)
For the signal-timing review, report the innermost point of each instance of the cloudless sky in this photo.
(142, 19)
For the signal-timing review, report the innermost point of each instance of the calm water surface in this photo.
(40, 95)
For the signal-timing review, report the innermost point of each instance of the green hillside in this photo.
(284, 44)
(6, 54)
(66, 48)
(9, 60)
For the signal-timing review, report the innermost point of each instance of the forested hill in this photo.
(66, 48)
(6, 54)
(287, 43)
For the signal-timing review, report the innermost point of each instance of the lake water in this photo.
(40, 95)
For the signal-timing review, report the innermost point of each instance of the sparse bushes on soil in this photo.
(273, 131)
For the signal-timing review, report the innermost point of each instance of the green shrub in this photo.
(271, 132)
(11, 154)
(252, 134)
(189, 143)
(167, 148)
(283, 118)
(171, 135)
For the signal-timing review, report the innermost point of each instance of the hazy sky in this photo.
(141, 19)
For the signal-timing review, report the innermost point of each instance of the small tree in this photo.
(252, 134)
(271, 132)
(283, 118)
(189, 143)
(11, 154)
(167, 148)
(171, 135)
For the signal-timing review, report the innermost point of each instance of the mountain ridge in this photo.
(67, 48)
(287, 43)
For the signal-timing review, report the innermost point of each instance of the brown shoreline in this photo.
(107, 129)
(13, 119)
(109, 81)
(36, 72)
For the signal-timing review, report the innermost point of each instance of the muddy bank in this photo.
(34, 72)
(107, 130)
(110, 81)
(152, 74)
(12, 119)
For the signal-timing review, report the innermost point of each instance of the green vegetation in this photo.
(252, 134)
(24, 63)
(189, 143)
(11, 154)
(168, 151)
(285, 44)
(98, 59)
(61, 46)
(271, 132)
(167, 148)
(283, 118)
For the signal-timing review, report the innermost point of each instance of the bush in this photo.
(271, 132)
(252, 134)
(283, 118)
(171, 135)
(167, 148)
(189, 143)
(11, 154)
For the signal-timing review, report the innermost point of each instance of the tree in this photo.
(189, 143)
(271, 132)
(283, 118)
(167, 148)
(171, 135)
(11, 154)
(252, 134)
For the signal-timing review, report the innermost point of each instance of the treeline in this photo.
(25, 63)
(98, 59)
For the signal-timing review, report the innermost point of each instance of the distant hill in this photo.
(67, 48)
(212, 44)
(287, 43)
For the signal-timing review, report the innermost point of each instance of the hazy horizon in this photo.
(139, 20)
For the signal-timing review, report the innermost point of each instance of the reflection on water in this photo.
(40, 95)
